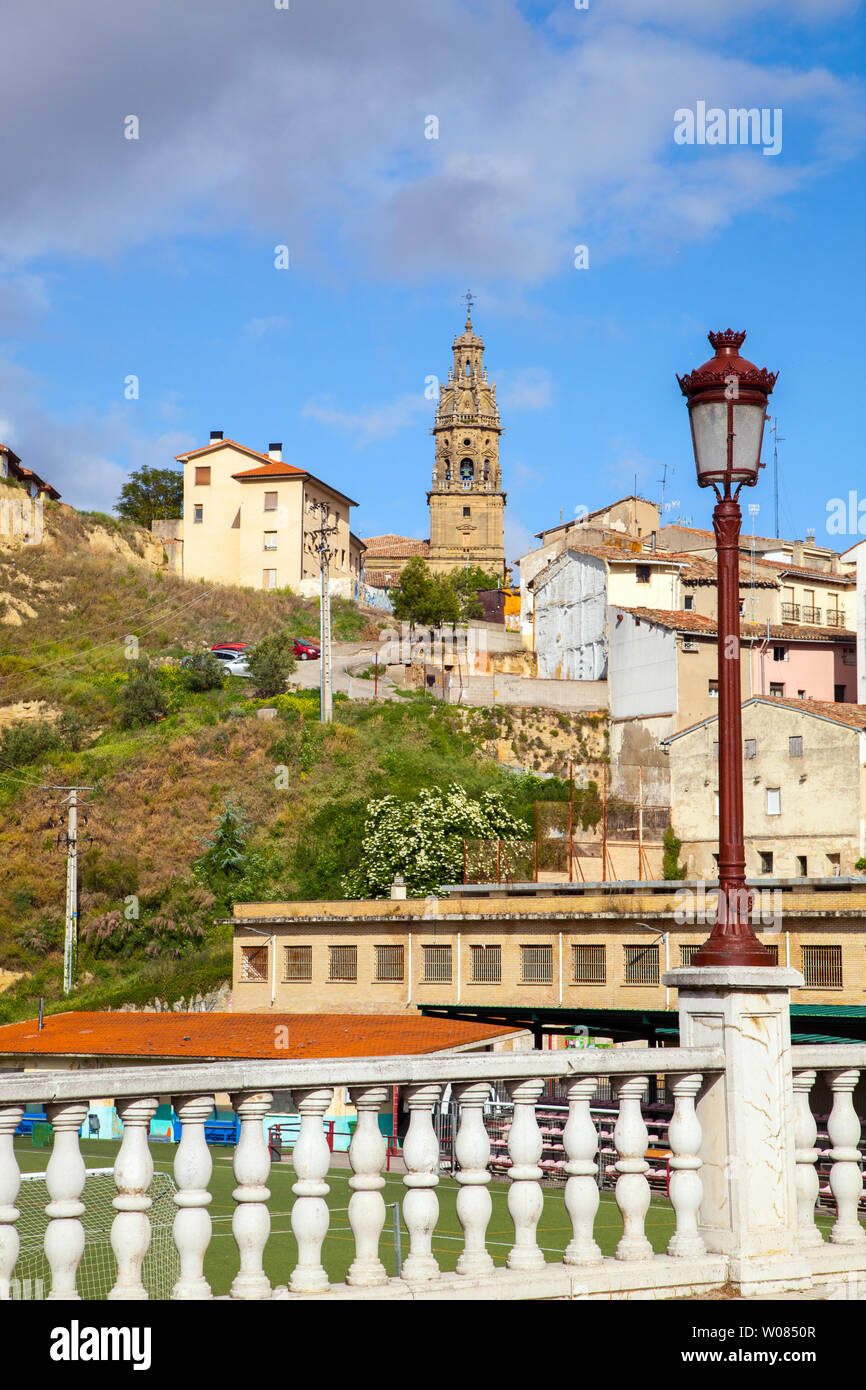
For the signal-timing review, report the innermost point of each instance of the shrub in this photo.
(671, 868)
(203, 672)
(25, 742)
(116, 878)
(271, 662)
(142, 699)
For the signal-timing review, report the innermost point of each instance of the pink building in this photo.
(795, 664)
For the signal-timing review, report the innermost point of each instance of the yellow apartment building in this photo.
(247, 521)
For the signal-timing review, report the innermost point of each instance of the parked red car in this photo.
(305, 651)
(229, 646)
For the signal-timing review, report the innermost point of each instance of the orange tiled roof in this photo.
(852, 716)
(696, 622)
(241, 1035)
(220, 444)
(274, 468)
(395, 547)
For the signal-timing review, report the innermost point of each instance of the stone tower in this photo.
(466, 499)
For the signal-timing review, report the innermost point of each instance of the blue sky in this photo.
(306, 128)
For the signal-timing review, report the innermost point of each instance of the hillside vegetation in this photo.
(208, 806)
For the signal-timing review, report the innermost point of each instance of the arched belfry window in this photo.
(468, 369)
(467, 472)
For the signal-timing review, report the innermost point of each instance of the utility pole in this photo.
(320, 544)
(777, 440)
(70, 840)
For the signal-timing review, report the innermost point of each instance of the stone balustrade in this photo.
(694, 1261)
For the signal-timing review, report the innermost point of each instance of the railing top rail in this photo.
(827, 1056)
(206, 1077)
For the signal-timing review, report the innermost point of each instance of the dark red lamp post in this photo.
(727, 400)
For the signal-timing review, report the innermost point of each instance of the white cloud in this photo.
(524, 388)
(260, 327)
(373, 423)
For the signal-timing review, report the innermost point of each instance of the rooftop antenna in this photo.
(663, 481)
(777, 439)
(754, 508)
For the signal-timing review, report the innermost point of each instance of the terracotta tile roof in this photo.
(245, 1035)
(851, 716)
(696, 622)
(395, 547)
(274, 468)
(827, 576)
(221, 444)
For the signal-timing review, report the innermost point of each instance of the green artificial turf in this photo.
(221, 1261)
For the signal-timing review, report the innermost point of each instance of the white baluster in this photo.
(846, 1177)
(421, 1205)
(630, 1139)
(686, 1191)
(805, 1154)
(192, 1171)
(525, 1199)
(472, 1151)
(10, 1181)
(580, 1139)
(251, 1223)
(65, 1177)
(311, 1159)
(133, 1174)
(366, 1204)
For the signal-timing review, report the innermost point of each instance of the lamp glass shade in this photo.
(710, 433)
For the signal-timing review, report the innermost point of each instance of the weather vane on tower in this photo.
(470, 300)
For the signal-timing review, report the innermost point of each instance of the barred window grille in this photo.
(486, 964)
(254, 964)
(822, 966)
(536, 964)
(344, 962)
(686, 953)
(389, 962)
(774, 951)
(589, 965)
(299, 963)
(641, 965)
(437, 965)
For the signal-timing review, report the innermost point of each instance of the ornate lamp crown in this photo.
(726, 363)
(729, 338)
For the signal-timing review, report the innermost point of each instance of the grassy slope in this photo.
(157, 791)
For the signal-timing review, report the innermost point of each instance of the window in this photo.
(536, 965)
(689, 644)
(467, 511)
(802, 866)
(269, 579)
(822, 967)
(686, 953)
(299, 963)
(437, 965)
(589, 965)
(486, 964)
(795, 746)
(689, 603)
(467, 472)
(778, 690)
(254, 964)
(270, 540)
(202, 477)
(742, 606)
(343, 963)
(270, 501)
(198, 513)
(839, 694)
(641, 965)
(774, 801)
(716, 864)
(834, 864)
(801, 694)
(389, 962)
(642, 573)
(780, 653)
(774, 951)
(766, 861)
(716, 751)
(750, 748)
(713, 689)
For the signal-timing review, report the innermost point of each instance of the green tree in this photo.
(423, 839)
(151, 494)
(466, 583)
(142, 699)
(271, 661)
(203, 672)
(229, 868)
(423, 597)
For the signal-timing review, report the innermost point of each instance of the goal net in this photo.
(98, 1269)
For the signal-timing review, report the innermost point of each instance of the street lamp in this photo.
(727, 399)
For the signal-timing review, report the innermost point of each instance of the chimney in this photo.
(275, 451)
(215, 435)
(797, 552)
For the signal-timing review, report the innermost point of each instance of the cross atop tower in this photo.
(470, 300)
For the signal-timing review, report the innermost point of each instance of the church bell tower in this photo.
(466, 499)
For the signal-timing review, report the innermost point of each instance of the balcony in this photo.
(738, 1110)
(790, 612)
(835, 617)
(811, 615)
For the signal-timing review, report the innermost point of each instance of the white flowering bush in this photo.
(423, 840)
